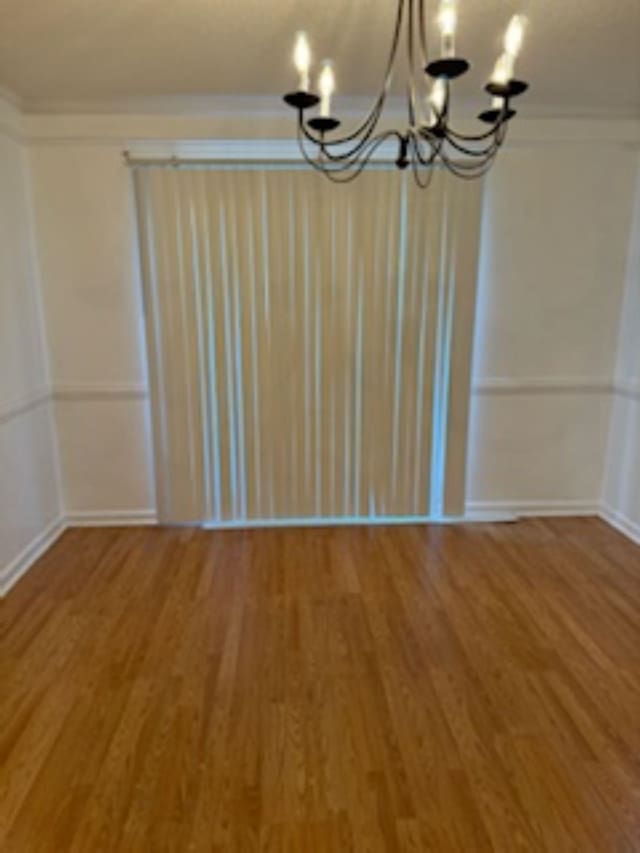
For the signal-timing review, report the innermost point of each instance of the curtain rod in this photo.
(176, 162)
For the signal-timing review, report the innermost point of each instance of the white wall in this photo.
(557, 218)
(29, 499)
(552, 266)
(86, 246)
(622, 482)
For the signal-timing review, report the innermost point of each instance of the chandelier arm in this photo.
(468, 166)
(415, 171)
(422, 33)
(368, 125)
(374, 144)
(434, 147)
(395, 41)
(350, 155)
(464, 176)
(411, 105)
(461, 170)
(411, 87)
(323, 166)
(499, 125)
(416, 163)
(425, 133)
(501, 132)
(471, 152)
(358, 162)
(366, 130)
(317, 164)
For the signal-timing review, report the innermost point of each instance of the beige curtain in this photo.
(309, 344)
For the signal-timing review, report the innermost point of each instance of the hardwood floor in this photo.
(451, 688)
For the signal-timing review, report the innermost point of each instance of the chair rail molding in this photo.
(629, 388)
(488, 386)
(507, 385)
(100, 391)
(20, 405)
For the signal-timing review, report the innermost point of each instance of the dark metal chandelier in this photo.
(428, 138)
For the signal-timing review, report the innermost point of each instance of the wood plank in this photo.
(458, 688)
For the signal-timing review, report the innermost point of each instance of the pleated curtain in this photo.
(309, 344)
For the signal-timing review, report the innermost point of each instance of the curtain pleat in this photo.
(309, 345)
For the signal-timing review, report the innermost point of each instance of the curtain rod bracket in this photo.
(173, 161)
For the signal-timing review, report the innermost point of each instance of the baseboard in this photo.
(511, 510)
(319, 521)
(10, 574)
(477, 511)
(489, 513)
(111, 518)
(621, 522)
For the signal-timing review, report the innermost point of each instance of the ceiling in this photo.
(581, 56)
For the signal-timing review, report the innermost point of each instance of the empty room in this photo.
(319, 426)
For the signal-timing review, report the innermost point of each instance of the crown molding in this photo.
(202, 118)
(350, 106)
(172, 105)
(10, 97)
(11, 115)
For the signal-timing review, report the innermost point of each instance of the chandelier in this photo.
(428, 138)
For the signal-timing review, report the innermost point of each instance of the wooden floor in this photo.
(452, 688)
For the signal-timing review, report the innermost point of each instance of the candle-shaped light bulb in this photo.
(502, 70)
(447, 19)
(302, 60)
(437, 100)
(514, 36)
(497, 103)
(326, 87)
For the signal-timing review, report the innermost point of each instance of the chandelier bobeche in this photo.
(428, 138)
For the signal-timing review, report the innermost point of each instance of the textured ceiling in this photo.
(582, 56)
